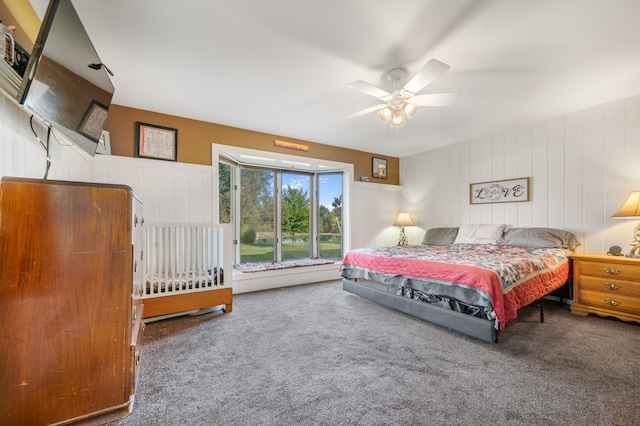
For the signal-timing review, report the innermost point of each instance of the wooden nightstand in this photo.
(606, 286)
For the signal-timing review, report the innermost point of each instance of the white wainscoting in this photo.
(22, 155)
(375, 209)
(171, 192)
(582, 167)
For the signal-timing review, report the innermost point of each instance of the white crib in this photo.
(187, 267)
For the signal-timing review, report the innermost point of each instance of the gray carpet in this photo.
(316, 355)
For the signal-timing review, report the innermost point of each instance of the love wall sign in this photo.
(500, 191)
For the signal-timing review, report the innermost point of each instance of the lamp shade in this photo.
(403, 220)
(630, 208)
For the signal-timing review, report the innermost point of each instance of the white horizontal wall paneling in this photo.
(615, 170)
(375, 209)
(171, 192)
(510, 172)
(133, 178)
(524, 154)
(574, 175)
(150, 196)
(556, 173)
(582, 165)
(497, 173)
(539, 185)
(632, 121)
(464, 216)
(22, 155)
(456, 180)
(180, 199)
(593, 181)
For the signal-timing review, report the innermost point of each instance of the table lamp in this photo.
(403, 220)
(631, 210)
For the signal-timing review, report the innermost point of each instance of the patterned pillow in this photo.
(479, 234)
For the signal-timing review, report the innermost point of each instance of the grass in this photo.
(265, 252)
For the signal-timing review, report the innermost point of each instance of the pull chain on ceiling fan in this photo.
(403, 103)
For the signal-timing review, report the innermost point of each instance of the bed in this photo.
(184, 269)
(472, 279)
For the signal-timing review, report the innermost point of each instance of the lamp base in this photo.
(403, 241)
(635, 245)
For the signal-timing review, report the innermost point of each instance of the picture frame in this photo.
(500, 191)
(104, 144)
(156, 142)
(93, 121)
(379, 168)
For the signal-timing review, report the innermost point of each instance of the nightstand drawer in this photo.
(611, 302)
(609, 270)
(610, 286)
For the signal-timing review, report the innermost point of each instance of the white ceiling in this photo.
(283, 66)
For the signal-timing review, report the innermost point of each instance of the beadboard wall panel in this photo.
(582, 166)
(171, 192)
(375, 208)
(22, 155)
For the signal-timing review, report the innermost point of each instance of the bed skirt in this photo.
(472, 326)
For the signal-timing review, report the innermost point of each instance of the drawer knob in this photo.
(613, 302)
(612, 271)
(612, 286)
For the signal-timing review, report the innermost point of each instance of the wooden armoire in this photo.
(70, 312)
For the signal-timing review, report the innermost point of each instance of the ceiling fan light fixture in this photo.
(410, 109)
(385, 114)
(397, 118)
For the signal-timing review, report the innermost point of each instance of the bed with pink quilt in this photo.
(474, 288)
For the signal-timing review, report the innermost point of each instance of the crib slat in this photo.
(185, 258)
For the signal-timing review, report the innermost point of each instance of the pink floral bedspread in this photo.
(514, 277)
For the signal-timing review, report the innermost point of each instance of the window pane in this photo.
(295, 218)
(224, 184)
(330, 216)
(257, 233)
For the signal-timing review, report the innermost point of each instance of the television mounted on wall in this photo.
(65, 84)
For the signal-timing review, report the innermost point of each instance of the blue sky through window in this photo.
(330, 186)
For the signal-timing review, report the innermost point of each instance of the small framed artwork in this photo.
(157, 142)
(499, 191)
(93, 121)
(379, 168)
(104, 144)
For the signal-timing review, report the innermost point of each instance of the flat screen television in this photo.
(65, 84)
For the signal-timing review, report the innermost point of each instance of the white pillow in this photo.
(479, 234)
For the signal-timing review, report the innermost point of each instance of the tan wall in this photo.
(21, 14)
(195, 139)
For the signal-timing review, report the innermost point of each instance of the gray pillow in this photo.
(539, 238)
(440, 236)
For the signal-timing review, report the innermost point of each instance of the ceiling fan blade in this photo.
(368, 89)
(439, 99)
(432, 70)
(365, 111)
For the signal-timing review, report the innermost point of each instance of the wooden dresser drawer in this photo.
(609, 301)
(606, 286)
(610, 286)
(609, 270)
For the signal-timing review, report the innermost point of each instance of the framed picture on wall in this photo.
(157, 142)
(500, 191)
(379, 168)
(104, 144)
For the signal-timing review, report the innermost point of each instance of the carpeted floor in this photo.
(317, 355)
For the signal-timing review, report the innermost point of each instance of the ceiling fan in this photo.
(403, 103)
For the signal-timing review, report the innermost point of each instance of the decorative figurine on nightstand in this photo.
(631, 210)
(404, 219)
